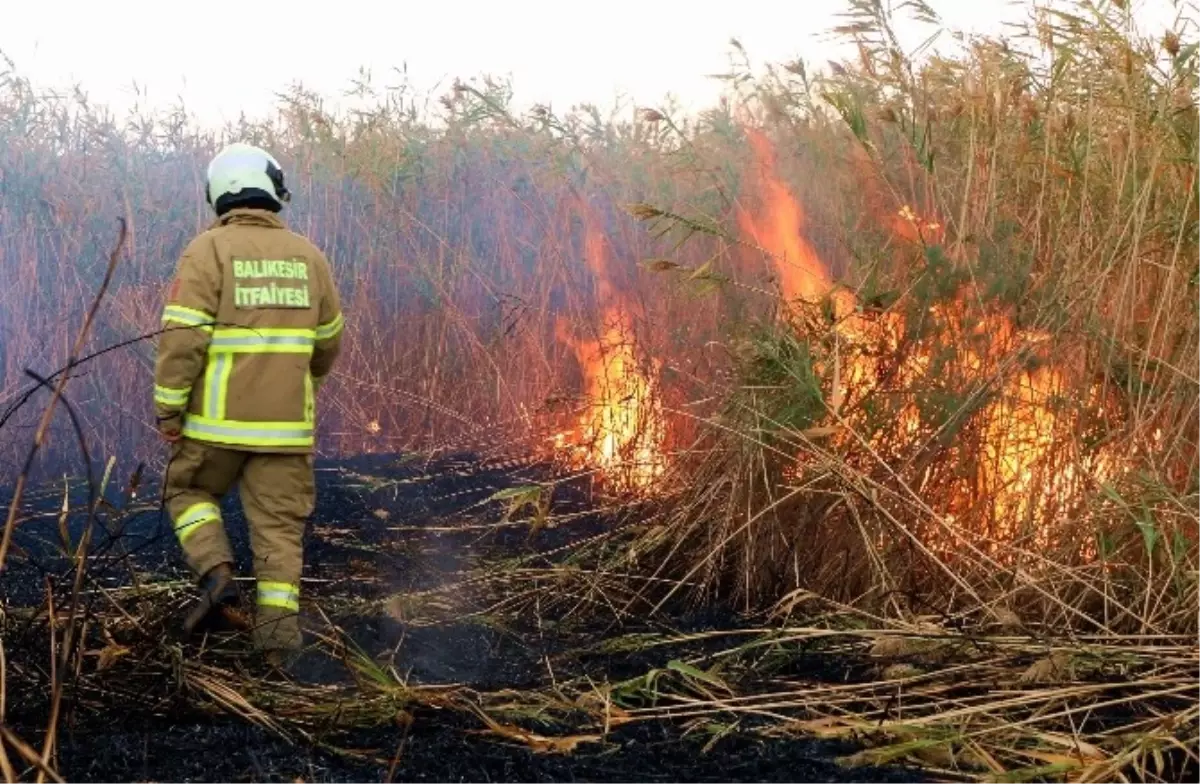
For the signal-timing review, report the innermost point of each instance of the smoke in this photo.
(451, 272)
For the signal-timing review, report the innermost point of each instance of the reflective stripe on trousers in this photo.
(194, 518)
(282, 595)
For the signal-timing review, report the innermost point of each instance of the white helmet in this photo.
(243, 173)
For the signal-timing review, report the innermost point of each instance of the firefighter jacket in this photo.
(253, 326)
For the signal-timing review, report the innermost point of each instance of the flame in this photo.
(1019, 428)
(622, 433)
(780, 231)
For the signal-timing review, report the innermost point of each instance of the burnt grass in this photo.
(383, 525)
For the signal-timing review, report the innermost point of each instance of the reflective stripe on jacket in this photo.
(253, 326)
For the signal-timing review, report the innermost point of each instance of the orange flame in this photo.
(1018, 429)
(780, 232)
(623, 432)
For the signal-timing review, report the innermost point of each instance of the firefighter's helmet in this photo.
(242, 175)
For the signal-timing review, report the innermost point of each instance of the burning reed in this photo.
(993, 410)
(923, 357)
(931, 335)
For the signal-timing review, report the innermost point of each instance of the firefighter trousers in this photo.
(277, 493)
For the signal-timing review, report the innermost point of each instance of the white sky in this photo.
(232, 57)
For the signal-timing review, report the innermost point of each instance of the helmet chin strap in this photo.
(276, 176)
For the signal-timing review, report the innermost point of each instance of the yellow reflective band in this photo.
(188, 316)
(216, 383)
(242, 340)
(230, 431)
(223, 384)
(194, 518)
(172, 397)
(330, 330)
(310, 405)
(284, 595)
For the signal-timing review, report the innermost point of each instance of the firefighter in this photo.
(253, 326)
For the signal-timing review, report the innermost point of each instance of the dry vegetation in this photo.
(904, 353)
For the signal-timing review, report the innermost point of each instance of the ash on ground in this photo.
(441, 573)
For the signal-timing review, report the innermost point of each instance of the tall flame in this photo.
(622, 432)
(780, 231)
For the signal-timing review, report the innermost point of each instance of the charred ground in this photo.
(443, 649)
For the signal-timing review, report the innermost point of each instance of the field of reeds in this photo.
(859, 410)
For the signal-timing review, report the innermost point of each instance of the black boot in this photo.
(219, 607)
